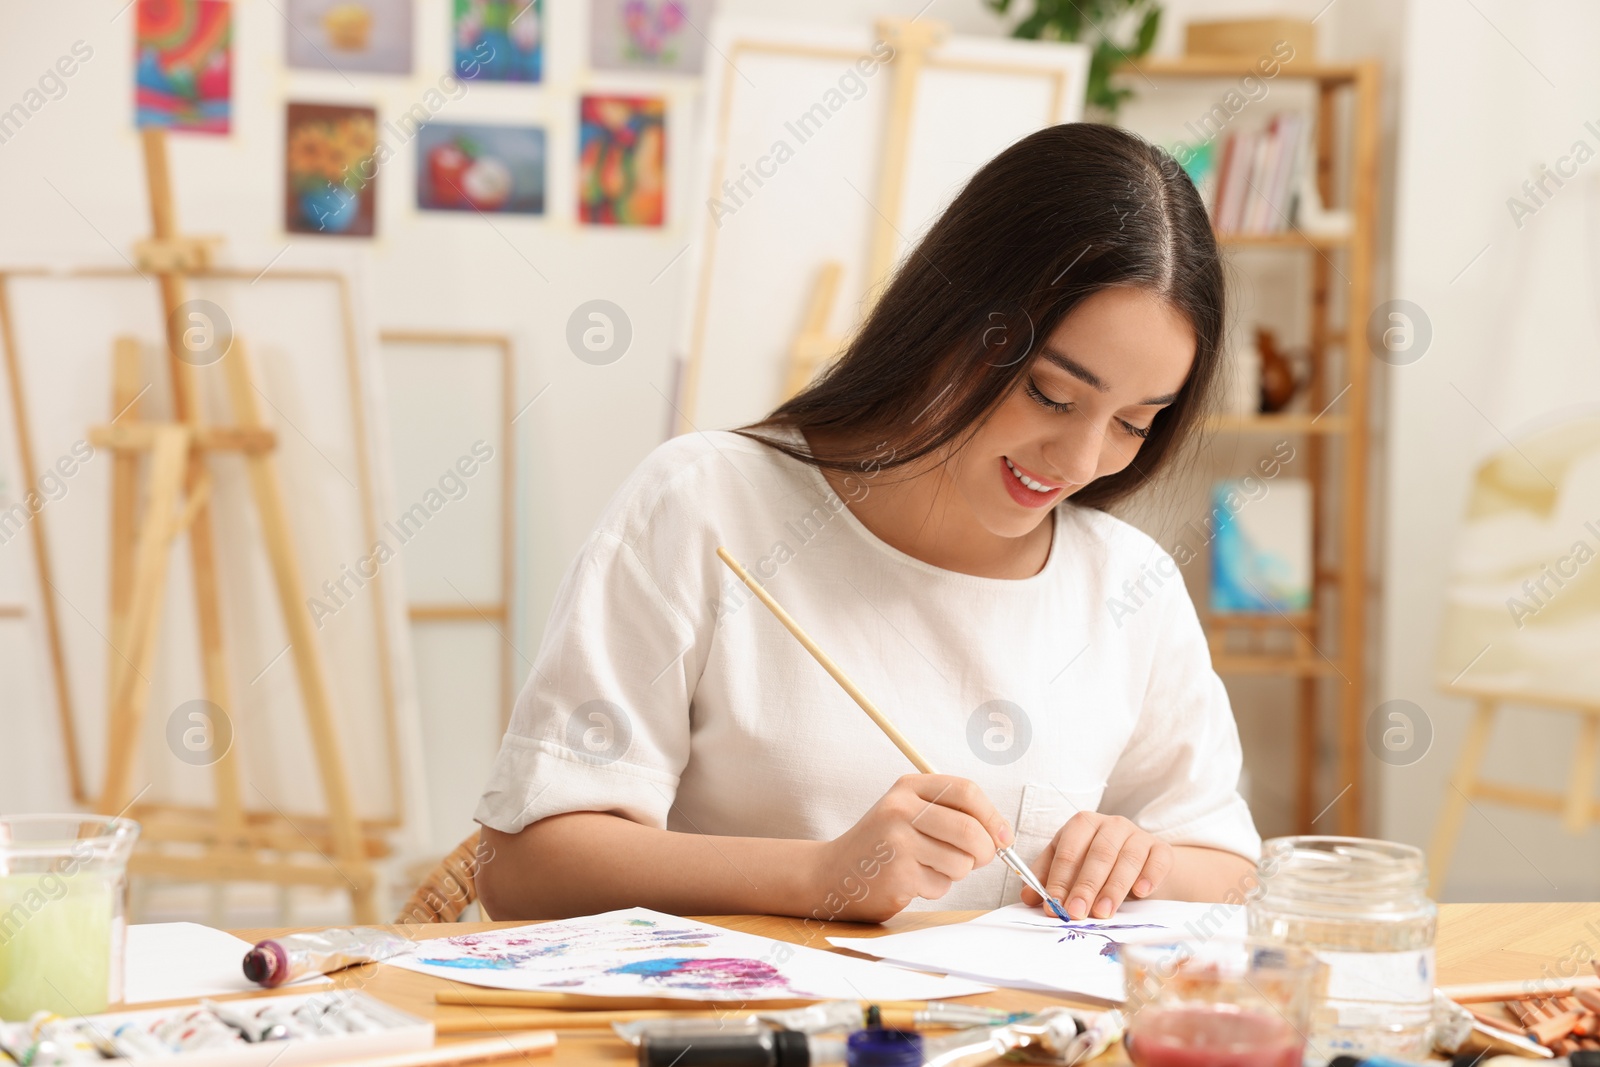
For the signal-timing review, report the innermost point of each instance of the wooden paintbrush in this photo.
(1008, 855)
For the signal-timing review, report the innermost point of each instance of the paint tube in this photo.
(1053, 1036)
(284, 959)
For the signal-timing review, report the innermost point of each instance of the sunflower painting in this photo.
(330, 175)
(182, 65)
(622, 153)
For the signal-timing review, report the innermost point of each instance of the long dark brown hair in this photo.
(1056, 217)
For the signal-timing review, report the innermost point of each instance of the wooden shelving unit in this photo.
(1323, 650)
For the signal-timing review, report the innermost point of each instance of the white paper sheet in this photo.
(180, 961)
(638, 952)
(1024, 948)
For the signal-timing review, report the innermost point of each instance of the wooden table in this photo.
(1477, 943)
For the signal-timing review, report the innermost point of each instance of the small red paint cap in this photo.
(266, 964)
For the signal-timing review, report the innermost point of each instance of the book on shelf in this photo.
(1251, 177)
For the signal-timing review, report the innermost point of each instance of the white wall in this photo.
(1490, 96)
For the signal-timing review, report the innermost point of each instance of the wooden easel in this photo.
(813, 346)
(1577, 807)
(236, 844)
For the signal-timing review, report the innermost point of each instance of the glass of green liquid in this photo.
(63, 905)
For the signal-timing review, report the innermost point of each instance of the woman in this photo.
(932, 511)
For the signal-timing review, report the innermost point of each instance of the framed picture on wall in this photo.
(349, 36)
(480, 168)
(622, 157)
(183, 66)
(658, 35)
(330, 175)
(499, 40)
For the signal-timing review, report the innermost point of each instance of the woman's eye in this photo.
(1141, 432)
(1059, 406)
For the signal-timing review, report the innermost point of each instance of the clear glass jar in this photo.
(1362, 906)
(63, 909)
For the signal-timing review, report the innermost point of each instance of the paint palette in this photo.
(323, 1027)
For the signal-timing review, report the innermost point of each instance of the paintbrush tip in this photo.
(1061, 913)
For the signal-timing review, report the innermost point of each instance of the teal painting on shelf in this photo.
(1261, 546)
(499, 40)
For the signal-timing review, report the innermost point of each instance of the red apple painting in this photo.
(489, 169)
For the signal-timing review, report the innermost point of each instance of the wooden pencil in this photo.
(478, 1023)
(495, 1022)
(517, 998)
(1497, 992)
(503, 1047)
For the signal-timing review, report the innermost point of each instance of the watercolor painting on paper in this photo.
(654, 35)
(1024, 948)
(499, 40)
(183, 66)
(622, 158)
(638, 952)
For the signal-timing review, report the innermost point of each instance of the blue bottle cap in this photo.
(884, 1048)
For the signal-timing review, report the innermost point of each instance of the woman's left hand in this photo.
(1097, 861)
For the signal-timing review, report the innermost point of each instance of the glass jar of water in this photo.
(1362, 906)
(63, 891)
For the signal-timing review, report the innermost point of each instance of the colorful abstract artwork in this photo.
(480, 168)
(638, 952)
(330, 179)
(183, 74)
(622, 158)
(499, 40)
(656, 35)
(349, 36)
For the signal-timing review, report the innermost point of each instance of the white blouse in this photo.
(666, 693)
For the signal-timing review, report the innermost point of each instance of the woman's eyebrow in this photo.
(1093, 380)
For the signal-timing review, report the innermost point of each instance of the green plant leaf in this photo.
(1147, 31)
(1031, 27)
(1104, 24)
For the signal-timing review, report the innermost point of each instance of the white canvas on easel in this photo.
(449, 396)
(757, 248)
(315, 377)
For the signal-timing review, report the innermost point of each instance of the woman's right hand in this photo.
(926, 833)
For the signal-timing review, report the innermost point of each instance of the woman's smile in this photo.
(1026, 488)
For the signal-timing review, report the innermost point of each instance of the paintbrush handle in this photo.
(828, 665)
(1009, 855)
(1011, 859)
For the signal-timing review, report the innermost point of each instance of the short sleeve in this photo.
(603, 721)
(1178, 777)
